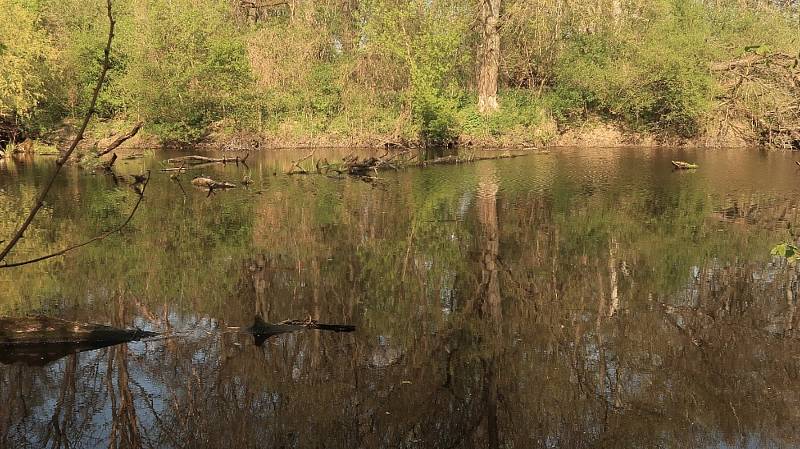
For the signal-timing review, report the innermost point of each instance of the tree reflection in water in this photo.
(549, 302)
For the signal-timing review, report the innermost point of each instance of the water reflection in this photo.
(577, 299)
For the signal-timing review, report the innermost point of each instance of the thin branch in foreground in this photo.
(92, 240)
(64, 157)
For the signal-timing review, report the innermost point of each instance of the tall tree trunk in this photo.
(489, 56)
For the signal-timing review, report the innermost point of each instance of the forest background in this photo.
(371, 72)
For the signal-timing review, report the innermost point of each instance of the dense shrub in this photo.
(653, 76)
(24, 51)
(399, 68)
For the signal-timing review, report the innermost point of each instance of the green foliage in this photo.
(436, 117)
(24, 48)
(520, 111)
(653, 75)
(432, 53)
(187, 67)
(788, 251)
(360, 68)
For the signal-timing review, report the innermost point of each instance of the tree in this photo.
(20, 232)
(489, 56)
(23, 48)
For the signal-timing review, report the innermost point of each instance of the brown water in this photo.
(582, 298)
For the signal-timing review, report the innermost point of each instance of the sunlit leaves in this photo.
(24, 47)
(788, 251)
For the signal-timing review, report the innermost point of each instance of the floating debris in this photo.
(681, 165)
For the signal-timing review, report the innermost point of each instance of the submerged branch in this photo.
(64, 157)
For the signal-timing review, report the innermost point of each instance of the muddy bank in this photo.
(592, 133)
(605, 134)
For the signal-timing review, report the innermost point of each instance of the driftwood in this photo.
(681, 165)
(262, 330)
(369, 167)
(40, 340)
(196, 160)
(208, 183)
(120, 140)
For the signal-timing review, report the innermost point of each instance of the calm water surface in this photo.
(582, 298)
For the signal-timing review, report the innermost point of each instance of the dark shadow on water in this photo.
(45, 354)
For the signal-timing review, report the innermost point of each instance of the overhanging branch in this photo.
(87, 242)
(64, 157)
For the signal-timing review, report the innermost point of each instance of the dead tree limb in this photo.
(120, 140)
(762, 92)
(45, 330)
(108, 166)
(64, 157)
(262, 330)
(369, 166)
(119, 228)
(296, 165)
(197, 160)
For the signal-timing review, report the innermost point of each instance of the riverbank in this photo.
(591, 133)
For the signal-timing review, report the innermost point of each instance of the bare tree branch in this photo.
(120, 140)
(87, 242)
(64, 157)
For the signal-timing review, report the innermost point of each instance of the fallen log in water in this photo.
(195, 160)
(354, 166)
(40, 340)
(448, 160)
(133, 156)
(176, 169)
(208, 183)
(41, 355)
(262, 330)
(44, 330)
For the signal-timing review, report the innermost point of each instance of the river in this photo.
(578, 298)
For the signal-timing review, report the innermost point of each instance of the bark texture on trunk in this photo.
(489, 56)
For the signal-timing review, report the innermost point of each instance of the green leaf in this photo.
(788, 251)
